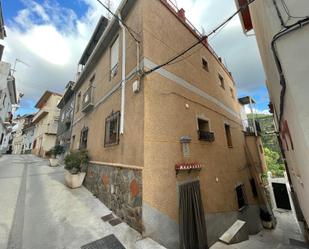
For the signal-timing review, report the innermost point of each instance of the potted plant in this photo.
(76, 163)
(53, 153)
(266, 219)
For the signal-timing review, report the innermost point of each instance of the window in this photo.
(221, 81)
(1, 140)
(205, 64)
(253, 187)
(112, 129)
(241, 197)
(203, 125)
(78, 101)
(83, 138)
(232, 92)
(114, 57)
(204, 132)
(73, 142)
(228, 135)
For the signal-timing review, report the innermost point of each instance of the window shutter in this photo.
(114, 53)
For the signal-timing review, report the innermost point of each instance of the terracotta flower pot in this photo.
(74, 180)
(267, 224)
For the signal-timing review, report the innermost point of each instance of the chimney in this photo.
(220, 59)
(181, 14)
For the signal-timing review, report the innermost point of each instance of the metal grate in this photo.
(108, 242)
(115, 222)
(107, 217)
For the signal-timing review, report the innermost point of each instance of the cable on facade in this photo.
(293, 27)
(287, 11)
(202, 39)
(130, 30)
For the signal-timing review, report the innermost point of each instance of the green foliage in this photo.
(273, 163)
(55, 151)
(76, 161)
(58, 150)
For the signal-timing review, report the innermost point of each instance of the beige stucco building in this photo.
(153, 136)
(282, 34)
(46, 121)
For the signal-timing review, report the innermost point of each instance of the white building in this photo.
(282, 34)
(8, 98)
(23, 134)
(28, 137)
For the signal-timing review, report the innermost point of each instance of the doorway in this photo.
(192, 226)
(281, 196)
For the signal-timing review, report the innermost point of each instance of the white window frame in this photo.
(114, 62)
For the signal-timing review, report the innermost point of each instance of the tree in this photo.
(273, 163)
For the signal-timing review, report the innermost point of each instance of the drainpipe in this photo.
(123, 78)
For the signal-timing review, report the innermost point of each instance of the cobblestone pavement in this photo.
(38, 211)
(287, 228)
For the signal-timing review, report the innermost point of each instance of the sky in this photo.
(47, 37)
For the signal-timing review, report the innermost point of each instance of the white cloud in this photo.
(46, 42)
(255, 110)
(51, 39)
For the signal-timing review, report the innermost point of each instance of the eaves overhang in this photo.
(39, 116)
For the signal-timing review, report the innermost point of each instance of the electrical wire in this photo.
(295, 26)
(202, 39)
(130, 30)
(286, 9)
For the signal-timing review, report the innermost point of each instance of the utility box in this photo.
(136, 86)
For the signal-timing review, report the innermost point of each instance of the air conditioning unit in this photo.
(136, 86)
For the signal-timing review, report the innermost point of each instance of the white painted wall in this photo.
(293, 50)
(5, 103)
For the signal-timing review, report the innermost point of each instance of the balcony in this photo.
(88, 100)
(39, 115)
(206, 136)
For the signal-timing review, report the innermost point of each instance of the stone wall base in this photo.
(120, 189)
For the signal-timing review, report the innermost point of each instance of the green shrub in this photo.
(76, 161)
(55, 151)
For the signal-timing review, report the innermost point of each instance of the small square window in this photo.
(232, 92)
(205, 64)
(114, 58)
(83, 138)
(241, 196)
(228, 135)
(112, 123)
(78, 101)
(253, 187)
(204, 132)
(222, 84)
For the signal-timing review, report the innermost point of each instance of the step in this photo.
(238, 232)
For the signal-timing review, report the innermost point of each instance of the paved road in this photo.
(37, 211)
(287, 228)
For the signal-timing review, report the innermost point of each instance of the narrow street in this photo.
(287, 235)
(38, 211)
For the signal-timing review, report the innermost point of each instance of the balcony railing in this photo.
(88, 100)
(206, 136)
(250, 127)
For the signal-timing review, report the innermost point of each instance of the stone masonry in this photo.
(119, 189)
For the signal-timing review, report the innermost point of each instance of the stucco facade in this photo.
(158, 109)
(66, 107)
(8, 98)
(283, 44)
(46, 123)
